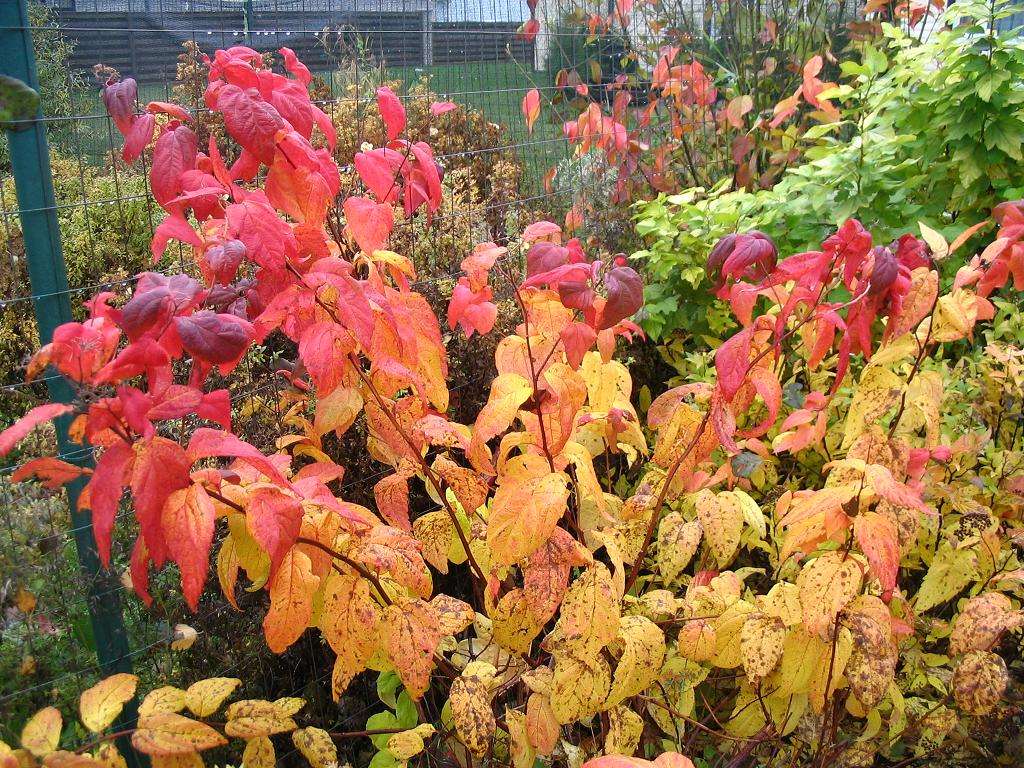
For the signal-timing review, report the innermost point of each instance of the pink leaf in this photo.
(370, 223)
(391, 111)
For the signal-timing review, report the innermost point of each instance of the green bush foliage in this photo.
(929, 131)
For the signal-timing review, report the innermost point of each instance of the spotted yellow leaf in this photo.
(167, 698)
(826, 585)
(167, 734)
(259, 753)
(41, 733)
(316, 746)
(100, 705)
(204, 697)
(643, 651)
(470, 701)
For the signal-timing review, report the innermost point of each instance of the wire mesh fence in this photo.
(498, 176)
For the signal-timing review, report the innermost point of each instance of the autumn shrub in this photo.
(927, 131)
(792, 560)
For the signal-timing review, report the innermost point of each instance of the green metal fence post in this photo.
(30, 166)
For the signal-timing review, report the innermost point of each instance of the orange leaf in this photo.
(531, 108)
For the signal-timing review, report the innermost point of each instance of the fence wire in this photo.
(466, 51)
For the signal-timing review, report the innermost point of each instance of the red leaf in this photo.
(528, 31)
(472, 310)
(876, 535)
(38, 415)
(218, 339)
(174, 227)
(370, 223)
(50, 471)
(625, 295)
(439, 108)
(274, 520)
(269, 241)
(250, 120)
(378, 169)
(138, 138)
(104, 494)
(392, 112)
(188, 522)
(296, 67)
(732, 360)
(578, 339)
(119, 99)
(161, 467)
(206, 442)
(175, 152)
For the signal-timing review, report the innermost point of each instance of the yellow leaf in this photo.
(41, 733)
(259, 753)
(624, 729)
(677, 543)
(514, 623)
(251, 718)
(185, 760)
(589, 617)
(524, 512)
(164, 699)
(453, 615)
(409, 635)
(183, 638)
(205, 696)
(227, 570)
(348, 622)
(728, 627)
(721, 518)
(782, 602)
(542, 727)
(830, 673)
(166, 734)
(761, 641)
(696, 640)
(316, 746)
(291, 601)
(936, 242)
(826, 585)
(878, 392)
(979, 682)
(289, 705)
(65, 759)
(522, 751)
(578, 688)
(100, 705)
(949, 572)
(437, 532)
(470, 702)
(981, 622)
(109, 757)
(803, 655)
(643, 651)
(406, 744)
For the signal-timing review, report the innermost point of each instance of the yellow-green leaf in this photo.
(100, 705)
(205, 696)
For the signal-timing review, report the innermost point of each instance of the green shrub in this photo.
(929, 132)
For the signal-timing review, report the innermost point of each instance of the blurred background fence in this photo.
(61, 621)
